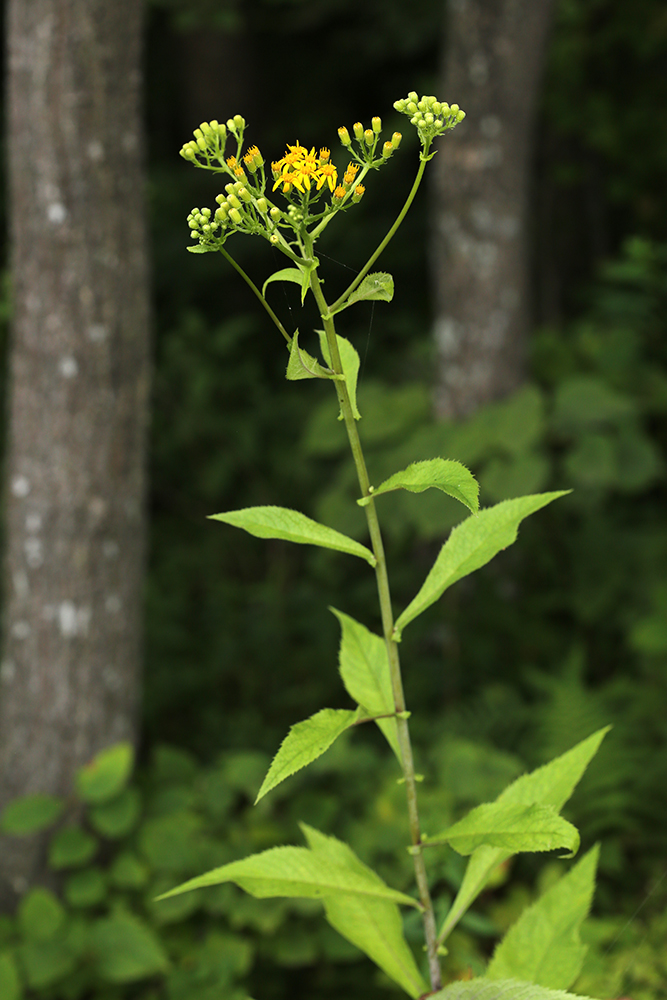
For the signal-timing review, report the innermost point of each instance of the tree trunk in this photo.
(493, 61)
(79, 373)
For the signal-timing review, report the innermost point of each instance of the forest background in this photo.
(569, 631)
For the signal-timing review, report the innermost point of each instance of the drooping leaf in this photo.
(293, 872)
(544, 945)
(125, 949)
(203, 248)
(364, 669)
(293, 274)
(302, 365)
(505, 989)
(107, 773)
(511, 827)
(549, 785)
(349, 359)
(31, 814)
(379, 285)
(374, 926)
(472, 544)
(443, 474)
(292, 526)
(305, 742)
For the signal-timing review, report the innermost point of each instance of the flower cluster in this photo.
(429, 116)
(367, 140)
(300, 168)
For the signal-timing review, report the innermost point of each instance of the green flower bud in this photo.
(239, 121)
(230, 125)
(454, 108)
(193, 146)
(438, 123)
(262, 205)
(245, 195)
(198, 134)
(358, 193)
(206, 212)
(376, 124)
(422, 105)
(234, 201)
(275, 214)
(387, 150)
(221, 214)
(396, 139)
(206, 228)
(206, 128)
(413, 96)
(193, 224)
(219, 198)
(460, 115)
(274, 239)
(344, 136)
(358, 130)
(369, 137)
(187, 153)
(202, 144)
(229, 188)
(399, 105)
(411, 107)
(235, 216)
(437, 107)
(428, 118)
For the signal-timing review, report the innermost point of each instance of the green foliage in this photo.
(512, 828)
(443, 474)
(507, 989)
(106, 775)
(30, 814)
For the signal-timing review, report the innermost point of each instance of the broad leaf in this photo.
(364, 669)
(294, 274)
(107, 773)
(549, 785)
(294, 872)
(305, 742)
(544, 946)
(374, 926)
(471, 545)
(379, 285)
(126, 949)
(10, 981)
(450, 477)
(349, 359)
(505, 989)
(203, 248)
(510, 827)
(290, 525)
(302, 365)
(31, 814)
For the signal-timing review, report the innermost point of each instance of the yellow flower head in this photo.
(350, 173)
(339, 193)
(300, 167)
(327, 174)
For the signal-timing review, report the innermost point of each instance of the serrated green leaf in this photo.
(293, 274)
(441, 473)
(40, 914)
(125, 949)
(349, 360)
(549, 785)
(472, 544)
(505, 989)
(374, 926)
(71, 847)
(118, 816)
(510, 827)
(544, 946)
(10, 982)
(379, 285)
(107, 773)
(293, 872)
(31, 814)
(290, 525)
(305, 742)
(302, 365)
(364, 669)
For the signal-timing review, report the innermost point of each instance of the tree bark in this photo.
(79, 376)
(493, 61)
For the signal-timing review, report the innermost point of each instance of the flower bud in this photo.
(239, 121)
(193, 224)
(460, 115)
(234, 201)
(376, 124)
(411, 107)
(262, 206)
(275, 239)
(339, 193)
(358, 193)
(221, 214)
(206, 128)
(369, 137)
(358, 130)
(245, 195)
(206, 212)
(344, 136)
(219, 198)
(187, 153)
(428, 118)
(396, 139)
(275, 214)
(387, 150)
(230, 125)
(454, 108)
(413, 96)
(198, 134)
(202, 144)
(235, 216)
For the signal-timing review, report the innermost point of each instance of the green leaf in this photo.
(10, 983)
(46, 962)
(293, 872)
(450, 477)
(129, 872)
(472, 544)
(544, 946)
(302, 365)
(549, 785)
(305, 742)
(364, 669)
(40, 914)
(510, 827)
(290, 525)
(126, 949)
(374, 926)
(71, 847)
(203, 248)
(107, 773)
(31, 814)
(118, 816)
(505, 989)
(349, 360)
(86, 888)
(294, 274)
(379, 285)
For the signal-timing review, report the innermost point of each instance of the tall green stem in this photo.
(251, 284)
(384, 595)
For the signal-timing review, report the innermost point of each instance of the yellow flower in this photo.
(350, 173)
(339, 193)
(327, 174)
(300, 167)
